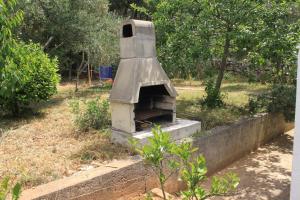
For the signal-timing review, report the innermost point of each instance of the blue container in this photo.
(105, 72)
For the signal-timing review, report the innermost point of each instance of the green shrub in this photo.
(256, 105)
(91, 114)
(213, 98)
(6, 188)
(281, 99)
(166, 158)
(28, 76)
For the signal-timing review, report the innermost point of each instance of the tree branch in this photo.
(48, 42)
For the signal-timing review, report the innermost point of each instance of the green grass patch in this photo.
(236, 98)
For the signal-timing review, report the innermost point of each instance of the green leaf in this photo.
(16, 192)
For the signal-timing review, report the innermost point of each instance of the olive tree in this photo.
(68, 29)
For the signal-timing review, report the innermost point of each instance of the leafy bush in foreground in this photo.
(193, 171)
(91, 114)
(166, 158)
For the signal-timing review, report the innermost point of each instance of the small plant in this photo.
(161, 151)
(213, 98)
(5, 189)
(91, 114)
(133, 145)
(193, 172)
(149, 196)
(252, 106)
(156, 153)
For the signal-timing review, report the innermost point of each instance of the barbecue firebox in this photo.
(142, 93)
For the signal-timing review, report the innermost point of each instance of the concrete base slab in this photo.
(182, 128)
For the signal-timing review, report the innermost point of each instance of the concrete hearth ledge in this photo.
(182, 128)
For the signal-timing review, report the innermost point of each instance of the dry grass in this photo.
(44, 146)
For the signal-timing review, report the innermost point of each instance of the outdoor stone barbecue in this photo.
(142, 94)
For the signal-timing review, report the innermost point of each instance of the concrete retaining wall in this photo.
(121, 179)
(223, 145)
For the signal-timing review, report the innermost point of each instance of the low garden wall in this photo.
(124, 178)
(223, 145)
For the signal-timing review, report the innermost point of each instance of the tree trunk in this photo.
(48, 42)
(89, 72)
(223, 62)
(78, 72)
(161, 181)
(70, 73)
(91, 68)
(280, 71)
(15, 109)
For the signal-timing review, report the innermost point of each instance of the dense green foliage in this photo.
(5, 189)
(136, 9)
(166, 158)
(281, 99)
(69, 28)
(91, 114)
(274, 39)
(10, 18)
(27, 75)
(257, 39)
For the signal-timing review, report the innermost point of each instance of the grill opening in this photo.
(155, 106)
(127, 31)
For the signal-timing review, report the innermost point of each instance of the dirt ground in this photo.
(266, 173)
(46, 146)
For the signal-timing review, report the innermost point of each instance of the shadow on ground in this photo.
(265, 174)
(9, 122)
(100, 149)
(256, 89)
(37, 110)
